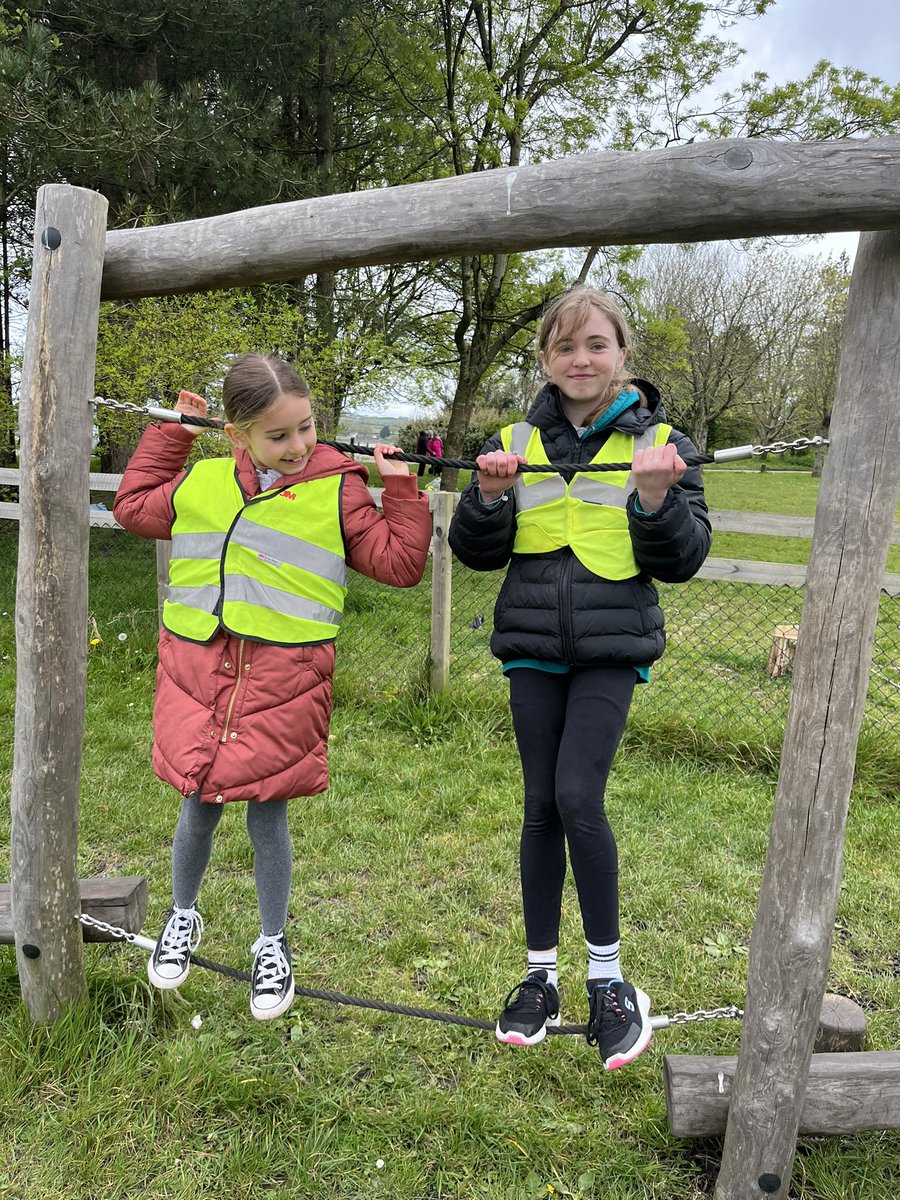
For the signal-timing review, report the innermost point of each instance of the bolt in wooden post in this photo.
(55, 421)
(791, 945)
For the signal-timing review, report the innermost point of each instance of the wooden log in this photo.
(120, 901)
(55, 423)
(739, 570)
(842, 1026)
(729, 520)
(716, 189)
(791, 944)
(442, 505)
(845, 1093)
(781, 653)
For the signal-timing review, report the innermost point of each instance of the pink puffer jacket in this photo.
(243, 720)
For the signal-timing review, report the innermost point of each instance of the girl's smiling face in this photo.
(584, 362)
(283, 438)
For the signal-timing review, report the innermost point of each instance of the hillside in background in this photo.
(369, 427)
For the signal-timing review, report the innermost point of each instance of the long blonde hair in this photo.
(568, 312)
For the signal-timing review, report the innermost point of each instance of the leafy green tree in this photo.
(831, 102)
(819, 360)
(497, 86)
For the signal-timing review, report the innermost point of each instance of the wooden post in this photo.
(791, 943)
(781, 653)
(842, 1026)
(55, 421)
(442, 505)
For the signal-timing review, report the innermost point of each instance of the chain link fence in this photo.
(713, 677)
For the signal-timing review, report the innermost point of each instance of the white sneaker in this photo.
(170, 962)
(272, 983)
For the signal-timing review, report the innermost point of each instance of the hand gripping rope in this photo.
(425, 1014)
(731, 454)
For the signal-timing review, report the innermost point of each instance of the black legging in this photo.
(568, 728)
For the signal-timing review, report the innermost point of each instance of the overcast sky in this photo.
(794, 35)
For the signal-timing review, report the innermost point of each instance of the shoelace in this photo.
(271, 966)
(181, 935)
(605, 1014)
(530, 995)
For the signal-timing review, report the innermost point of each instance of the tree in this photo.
(820, 356)
(501, 85)
(725, 336)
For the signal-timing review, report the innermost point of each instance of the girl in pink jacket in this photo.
(260, 547)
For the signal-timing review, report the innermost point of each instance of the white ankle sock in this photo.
(544, 960)
(603, 961)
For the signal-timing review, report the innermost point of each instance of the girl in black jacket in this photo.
(576, 625)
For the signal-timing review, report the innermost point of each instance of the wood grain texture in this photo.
(51, 594)
(120, 901)
(708, 190)
(845, 1093)
(790, 948)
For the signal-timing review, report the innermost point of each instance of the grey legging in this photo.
(267, 826)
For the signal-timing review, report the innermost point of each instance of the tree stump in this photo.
(781, 655)
(842, 1026)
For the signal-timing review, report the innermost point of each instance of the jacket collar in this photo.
(547, 414)
(324, 460)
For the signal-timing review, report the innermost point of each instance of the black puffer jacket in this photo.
(552, 608)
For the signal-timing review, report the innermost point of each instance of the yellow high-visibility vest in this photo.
(587, 514)
(270, 569)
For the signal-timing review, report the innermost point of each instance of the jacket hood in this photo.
(324, 460)
(546, 410)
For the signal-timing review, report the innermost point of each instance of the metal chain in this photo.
(104, 927)
(802, 443)
(124, 405)
(681, 1018)
(707, 1014)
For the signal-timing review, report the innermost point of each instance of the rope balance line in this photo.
(425, 1014)
(731, 454)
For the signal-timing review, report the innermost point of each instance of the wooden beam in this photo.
(51, 594)
(790, 948)
(119, 901)
(740, 570)
(728, 520)
(730, 188)
(845, 1093)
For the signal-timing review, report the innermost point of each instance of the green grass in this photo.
(406, 889)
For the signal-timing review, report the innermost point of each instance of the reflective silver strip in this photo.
(284, 548)
(203, 598)
(520, 437)
(240, 589)
(197, 545)
(543, 489)
(594, 491)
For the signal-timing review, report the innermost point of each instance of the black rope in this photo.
(458, 464)
(426, 1014)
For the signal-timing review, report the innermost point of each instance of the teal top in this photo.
(625, 399)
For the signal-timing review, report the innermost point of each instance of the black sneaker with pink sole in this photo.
(529, 1008)
(619, 1023)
